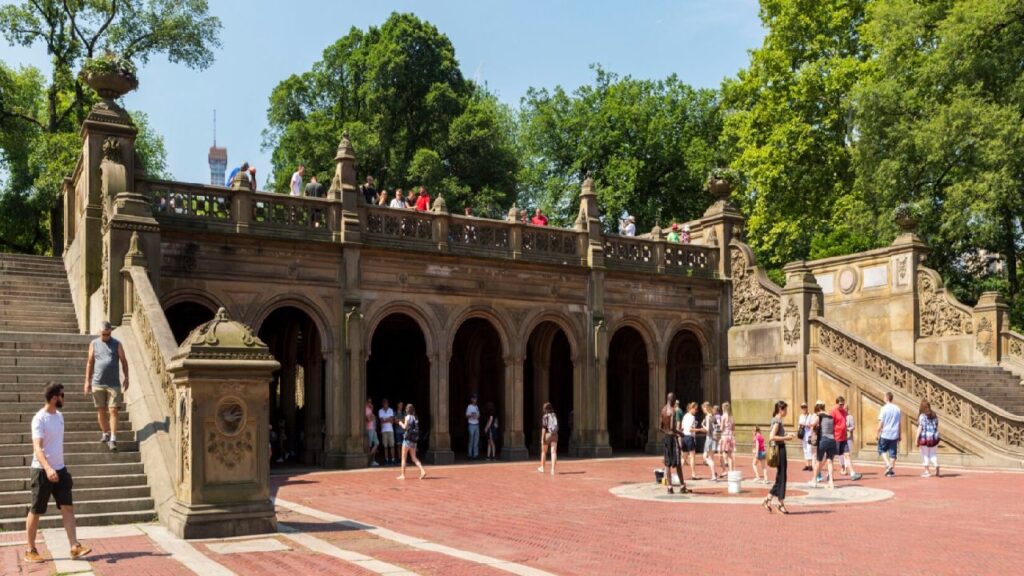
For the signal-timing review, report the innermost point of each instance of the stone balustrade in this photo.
(152, 331)
(991, 422)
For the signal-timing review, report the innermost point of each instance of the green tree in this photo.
(650, 145)
(788, 126)
(399, 92)
(38, 114)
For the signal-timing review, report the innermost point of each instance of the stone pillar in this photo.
(656, 392)
(909, 251)
(802, 299)
(221, 414)
(989, 316)
(513, 445)
(440, 451)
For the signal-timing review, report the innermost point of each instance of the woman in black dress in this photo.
(778, 435)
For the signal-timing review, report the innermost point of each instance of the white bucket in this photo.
(735, 478)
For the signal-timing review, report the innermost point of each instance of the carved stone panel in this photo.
(751, 302)
(939, 317)
(791, 323)
(985, 336)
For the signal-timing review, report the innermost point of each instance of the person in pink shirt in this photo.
(539, 219)
(423, 201)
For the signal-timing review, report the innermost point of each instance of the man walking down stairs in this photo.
(39, 342)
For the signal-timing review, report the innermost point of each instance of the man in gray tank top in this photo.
(103, 381)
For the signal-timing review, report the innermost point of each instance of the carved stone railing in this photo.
(1012, 345)
(939, 313)
(976, 415)
(290, 212)
(480, 236)
(175, 199)
(691, 260)
(554, 245)
(624, 252)
(755, 298)
(400, 228)
(151, 329)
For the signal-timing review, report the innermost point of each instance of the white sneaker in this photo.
(375, 463)
(812, 484)
(925, 474)
(105, 437)
(540, 469)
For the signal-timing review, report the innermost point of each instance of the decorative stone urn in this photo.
(720, 188)
(221, 421)
(110, 85)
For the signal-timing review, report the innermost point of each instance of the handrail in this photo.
(151, 329)
(974, 413)
(1012, 345)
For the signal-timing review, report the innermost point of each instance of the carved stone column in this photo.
(221, 413)
(658, 386)
(989, 316)
(513, 440)
(440, 445)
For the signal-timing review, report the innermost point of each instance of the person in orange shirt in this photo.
(423, 201)
(539, 219)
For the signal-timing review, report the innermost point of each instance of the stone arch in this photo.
(570, 329)
(197, 295)
(552, 372)
(185, 309)
(301, 302)
(498, 321)
(649, 334)
(631, 384)
(688, 372)
(429, 329)
(698, 331)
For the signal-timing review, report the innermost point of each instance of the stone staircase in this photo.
(39, 342)
(998, 386)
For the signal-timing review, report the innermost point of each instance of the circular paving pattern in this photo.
(708, 492)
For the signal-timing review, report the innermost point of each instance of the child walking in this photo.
(760, 468)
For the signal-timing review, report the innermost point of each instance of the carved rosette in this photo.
(752, 303)
(985, 336)
(229, 451)
(791, 323)
(939, 317)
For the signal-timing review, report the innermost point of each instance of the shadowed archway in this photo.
(184, 316)
(628, 390)
(398, 369)
(476, 366)
(547, 377)
(685, 368)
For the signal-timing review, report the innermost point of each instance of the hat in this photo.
(675, 227)
(686, 227)
(632, 218)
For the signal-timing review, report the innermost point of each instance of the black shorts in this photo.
(826, 449)
(689, 444)
(671, 452)
(42, 488)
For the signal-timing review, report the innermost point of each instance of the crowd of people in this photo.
(399, 435)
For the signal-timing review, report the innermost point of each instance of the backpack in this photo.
(412, 434)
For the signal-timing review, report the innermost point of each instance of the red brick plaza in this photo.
(509, 519)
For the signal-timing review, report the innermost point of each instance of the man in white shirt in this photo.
(297, 180)
(387, 431)
(690, 429)
(628, 226)
(49, 476)
(889, 433)
(473, 419)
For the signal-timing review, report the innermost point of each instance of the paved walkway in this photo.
(595, 517)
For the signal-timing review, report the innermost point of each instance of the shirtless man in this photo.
(670, 429)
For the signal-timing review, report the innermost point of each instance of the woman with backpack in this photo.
(411, 426)
(928, 438)
(548, 437)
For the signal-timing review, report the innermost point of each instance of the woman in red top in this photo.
(423, 202)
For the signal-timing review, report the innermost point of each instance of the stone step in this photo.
(33, 281)
(22, 310)
(34, 390)
(50, 520)
(73, 401)
(53, 372)
(92, 447)
(114, 506)
(72, 459)
(7, 418)
(92, 435)
(64, 379)
(35, 293)
(83, 424)
(80, 494)
(65, 325)
(61, 339)
(114, 481)
(55, 361)
(88, 469)
(77, 353)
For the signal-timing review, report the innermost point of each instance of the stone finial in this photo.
(440, 206)
(513, 213)
(223, 339)
(240, 181)
(345, 150)
(656, 231)
(588, 185)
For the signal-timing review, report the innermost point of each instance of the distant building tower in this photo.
(218, 158)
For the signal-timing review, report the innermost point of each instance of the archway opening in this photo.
(548, 377)
(398, 369)
(185, 316)
(685, 368)
(477, 367)
(628, 393)
(297, 407)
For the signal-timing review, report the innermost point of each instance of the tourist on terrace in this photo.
(843, 427)
(369, 191)
(539, 219)
(888, 434)
(314, 189)
(804, 434)
(684, 237)
(928, 438)
(491, 432)
(673, 235)
(473, 422)
(760, 468)
(727, 445)
(713, 434)
(399, 200)
(234, 172)
(689, 429)
(777, 434)
(524, 217)
(252, 178)
(411, 425)
(382, 198)
(627, 227)
(371, 432)
(423, 200)
(296, 186)
(548, 437)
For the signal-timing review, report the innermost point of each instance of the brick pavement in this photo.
(571, 524)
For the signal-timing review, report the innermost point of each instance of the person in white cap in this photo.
(684, 238)
(627, 227)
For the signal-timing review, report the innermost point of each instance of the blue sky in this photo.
(510, 46)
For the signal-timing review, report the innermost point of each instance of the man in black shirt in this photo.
(314, 189)
(369, 192)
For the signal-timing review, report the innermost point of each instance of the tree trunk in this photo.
(57, 228)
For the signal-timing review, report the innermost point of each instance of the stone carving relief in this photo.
(230, 418)
(229, 451)
(751, 302)
(985, 336)
(185, 428)
(901, 270)
(939, 317)
(791, 323)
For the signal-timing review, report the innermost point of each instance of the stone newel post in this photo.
(220, 376)
(989, 316)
